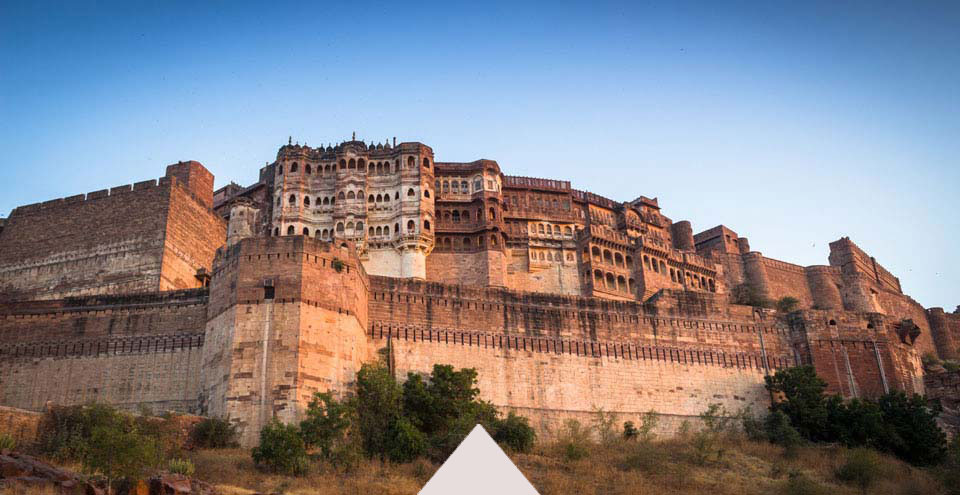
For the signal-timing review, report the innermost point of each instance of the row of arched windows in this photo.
(546, 229)
(609, 257)
(354, 229)
(537, 202)
(611, 282)
(459, 243)
(459, 186)
(458, 216)
(372, 168)
(548, 256)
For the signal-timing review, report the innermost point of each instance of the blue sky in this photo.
(792, 123)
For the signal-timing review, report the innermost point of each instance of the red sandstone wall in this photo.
(193, 234)
(120, 350)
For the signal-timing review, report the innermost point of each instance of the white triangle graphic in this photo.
(478, 466)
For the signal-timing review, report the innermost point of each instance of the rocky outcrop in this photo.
(944, 387)
(20, 470)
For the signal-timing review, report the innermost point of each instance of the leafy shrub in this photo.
(326, 423)
(65, 432)
(7, 442)
(214, 433)
(800, 484)
(905, 426)
(709, 442)
(515, 433)
(753, 427)
(630, 432)
(377, 408)
(778, 430)
(787, 304)
(338, 265)
(181, 466)
(574, 441)
(603, 424)
(951, 366)
(861, 469)
(119, 452)
(406, 442)
(281, 450)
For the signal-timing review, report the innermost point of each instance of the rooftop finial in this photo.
(354, 138)
(394, 141)
(290, 140)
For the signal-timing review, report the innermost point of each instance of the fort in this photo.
(244, 301)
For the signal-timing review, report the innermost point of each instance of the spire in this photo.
(354, 138)
(290, 140)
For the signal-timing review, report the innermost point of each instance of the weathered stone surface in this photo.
(243, 302)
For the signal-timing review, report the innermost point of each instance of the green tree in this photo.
(117, 453)
(281, 450)
(326, 423)
(214, 433)
(377, 407)
(801, 398)
(515, 433)
(787, 304)
(912, 431)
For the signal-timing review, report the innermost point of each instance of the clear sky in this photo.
(793, 123)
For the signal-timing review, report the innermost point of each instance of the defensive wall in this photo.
(122, 350)
(148, 236)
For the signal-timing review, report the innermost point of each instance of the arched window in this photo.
(426, 225)
(426, 193)
(493, 240)
(306, 231)
(540, 228)
(308, 169)
(410, 163)
(280, 169)
(352, 164)
(351, 195)
(569, 256)
(446, 186)
(396, 195)
(703, 282)
(293, 199)
(607, 257)
(477, 185)
(325, 234)
(410, 193)
(290, 230)
(466, 215)
(611, 282)
(359, 228)
(306, 201)
(276, 231)
(493, 213)
(426, 163)
(343, 164)
(653, 263)
(410, 224)
(341, 195)
(293, 167)
(317, 232)
(379, 168)
(370, 199)
(278, 200)
(456, 216)
(713, 287)
(396, 228)
(595, 251)
(567, 232)
(339, 227)
(541, 256)
(379, 198)
(646, 261)
(372, 169)
(371, 232)
(350, 226)
(326, 201)
(464, 187)
(618, 258)
(379, 230)
(621, 284)
(466, 243)
(386, 229)
(673, 275)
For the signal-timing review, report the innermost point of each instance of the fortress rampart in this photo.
(245, 301)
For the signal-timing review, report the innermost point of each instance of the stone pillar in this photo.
(823, 287)
(942, 338)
